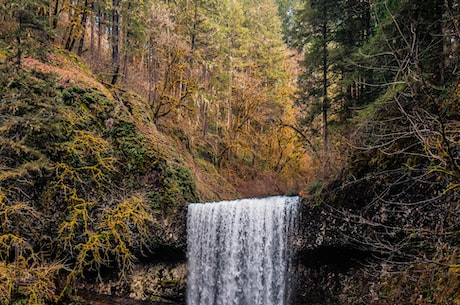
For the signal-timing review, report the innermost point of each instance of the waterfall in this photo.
(238, 251)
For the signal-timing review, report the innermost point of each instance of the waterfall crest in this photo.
(238, 251)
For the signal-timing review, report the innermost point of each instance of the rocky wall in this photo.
(356, 248)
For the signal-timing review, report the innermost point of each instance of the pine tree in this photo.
(314, 34)
(23, 20)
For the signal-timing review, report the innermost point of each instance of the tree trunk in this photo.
(126, 23)
(55, 15)
(325, 62)
(99, 32)
(19, 53)
(92, 30)
(193, 36)
(115, 41)
(75, 24)
(84, 18)
(68, 42)
(204, 117)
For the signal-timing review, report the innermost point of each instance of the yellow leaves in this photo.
(89, 147)
(76, 117)
(455, 268)
(21, 269)
(34, 280)
(12, 245)
(10, 213)
(130, 218)
(22, 170)
(88, 160)
(96, 237)
(19, 224)
(93, 253)
(452, 187)
(130, 213)
(38, 282)
(57, 194)
(79, 215)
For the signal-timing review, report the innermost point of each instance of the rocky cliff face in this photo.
(157, 282)
(367, 243)
(160, 275)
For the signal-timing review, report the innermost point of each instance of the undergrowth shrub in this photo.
(79, 187)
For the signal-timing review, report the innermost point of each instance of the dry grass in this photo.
(70, 73)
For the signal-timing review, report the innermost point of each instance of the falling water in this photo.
(238, 251)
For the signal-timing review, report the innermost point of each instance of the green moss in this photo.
(315, 187)
(386, 291)
(71, 149)
(155, 298)
(135, 151)
(179, 134)
(177, 185)
(90, 101)
(169, 283)
(71, 94)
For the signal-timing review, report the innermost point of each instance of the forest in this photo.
(114, 113)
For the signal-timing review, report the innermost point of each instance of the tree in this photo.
(315, 33)
(354, 80)
(413, 35)
(23, 19)
(286, 11)
(115, 40)
(78, 14)
(409, 134)
(167, 61)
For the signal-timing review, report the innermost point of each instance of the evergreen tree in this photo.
(353, 79)
(23, 20)
(314, 34)
(286, 11)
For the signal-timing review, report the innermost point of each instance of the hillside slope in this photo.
(86, 179)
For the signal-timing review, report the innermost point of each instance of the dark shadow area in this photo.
(336, 258)
(322, 273)
(165, 254)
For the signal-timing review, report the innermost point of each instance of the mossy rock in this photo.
(169, 283)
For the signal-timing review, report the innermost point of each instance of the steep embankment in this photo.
(385, 233)
(88, 185)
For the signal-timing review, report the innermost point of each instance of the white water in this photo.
(238, 252)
